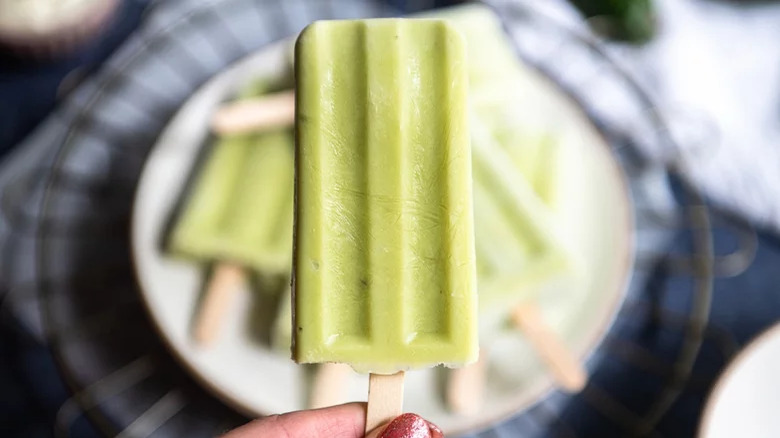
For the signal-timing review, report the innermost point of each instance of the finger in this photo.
(407, 426)
(344, 421)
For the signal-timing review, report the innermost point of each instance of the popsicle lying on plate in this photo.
(518, 245)
(239, 216)
(523, 203)
(384, 274)
(518, 250)
(519, 257)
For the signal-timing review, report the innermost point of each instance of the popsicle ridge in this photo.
(384, 188)
(344, 178)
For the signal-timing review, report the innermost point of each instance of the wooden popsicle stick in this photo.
(265, 112)
(328, 388)
(567, 371)
(385, 399)
(466, 386)
(220, 292)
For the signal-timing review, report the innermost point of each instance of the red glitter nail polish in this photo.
(411, 426)
(435, 431)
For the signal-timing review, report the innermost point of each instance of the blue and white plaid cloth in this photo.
(97, 141)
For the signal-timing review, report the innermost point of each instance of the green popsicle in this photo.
(241, 209)
(515, 235)
(238, 216)
(384, 264)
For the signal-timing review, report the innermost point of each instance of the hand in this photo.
(345, 421)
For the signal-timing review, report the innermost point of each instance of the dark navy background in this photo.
(31, 390)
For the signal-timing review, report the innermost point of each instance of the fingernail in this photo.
(411, 426)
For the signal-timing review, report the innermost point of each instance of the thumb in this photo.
(344, 421)
(407, 426)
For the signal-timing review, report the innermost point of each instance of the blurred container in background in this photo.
(45, 28)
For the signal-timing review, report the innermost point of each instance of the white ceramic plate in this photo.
(745, 401)
(248, 376)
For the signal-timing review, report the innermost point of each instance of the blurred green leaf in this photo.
(627, 20)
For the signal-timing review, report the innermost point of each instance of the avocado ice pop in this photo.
(238, 215)
(384, 272)
(525, 185)
(516, 241)
(519, 255)
(518, 252)
(241, 207)
(384, 266)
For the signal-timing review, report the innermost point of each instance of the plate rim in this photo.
(716, 393)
